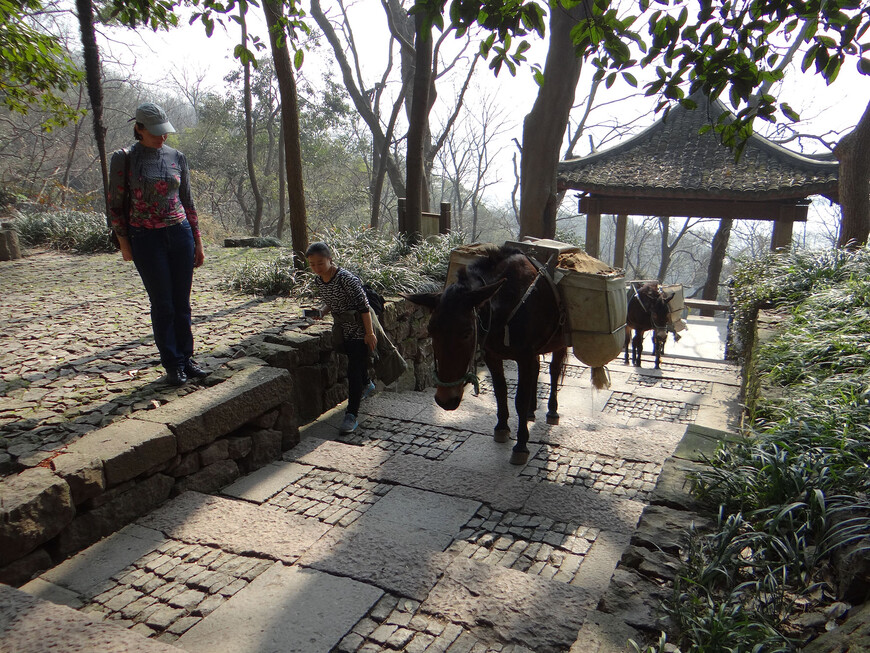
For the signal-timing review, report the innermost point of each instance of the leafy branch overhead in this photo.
(716, 46)
(33, 66)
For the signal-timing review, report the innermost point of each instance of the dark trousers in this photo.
(357, 372)
(164, 259)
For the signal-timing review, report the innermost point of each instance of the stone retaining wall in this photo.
(202, 441)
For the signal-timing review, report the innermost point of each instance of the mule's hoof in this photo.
(519, 457)
(531, 417)
(501, 435)
(553, 419)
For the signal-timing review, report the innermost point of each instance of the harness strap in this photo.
(542, 272)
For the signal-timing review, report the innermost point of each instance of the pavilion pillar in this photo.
(619, 245)
(593, 227)
(782, 229)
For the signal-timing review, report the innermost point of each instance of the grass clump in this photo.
(385, 262)
(793, 496)
(64, 229)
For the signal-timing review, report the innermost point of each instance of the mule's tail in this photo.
(600, 378)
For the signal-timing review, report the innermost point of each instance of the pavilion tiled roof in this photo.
(670, 159)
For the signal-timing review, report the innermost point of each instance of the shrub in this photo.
(384, 261)
(63, 229)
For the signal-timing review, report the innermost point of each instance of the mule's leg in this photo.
(659, 347)
(533, 396)
(526, 368)
(637, 348)
(502, 431)
(627, 342)
(557, 363)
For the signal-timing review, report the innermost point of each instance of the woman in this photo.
(154, 217)
(346, 300)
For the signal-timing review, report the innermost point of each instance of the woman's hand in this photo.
(126, 249)
(198, 254)
(371, 340)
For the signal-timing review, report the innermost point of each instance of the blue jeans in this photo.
(164, 259)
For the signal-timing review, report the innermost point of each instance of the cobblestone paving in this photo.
(623, 478)
(529, 543)
(681, 385)
(432, 442)
(330, 497)
(77, 355)
(166, 592)
(543, 388)
(398, 624)
(626, 404)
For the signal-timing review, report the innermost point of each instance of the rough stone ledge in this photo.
(113, 475)
(30, 624)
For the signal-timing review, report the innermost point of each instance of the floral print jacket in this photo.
(159, 185)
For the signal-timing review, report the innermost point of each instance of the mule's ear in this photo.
(484, 294)
(428, 300)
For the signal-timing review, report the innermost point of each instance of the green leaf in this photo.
(630, 79)
(298, 58)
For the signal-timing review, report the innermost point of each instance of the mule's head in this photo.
(453, 329)
(660, 313)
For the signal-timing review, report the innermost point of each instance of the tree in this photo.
(34, 66)
(853, 153)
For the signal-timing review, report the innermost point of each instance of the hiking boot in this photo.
(348, 425)
(176, 377)
(194, 371)
(368, 390)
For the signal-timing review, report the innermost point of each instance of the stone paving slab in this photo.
(402, 560)
(509, 606)
(412, 508)
(284, 609)
(482, 453)
(266, 482)
(87, 572)
(36, 626)
(583, 506)
(235, 526)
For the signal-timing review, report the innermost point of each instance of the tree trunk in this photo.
(415, 177)
(544, 126)
(85, 9)
(249, 126)
(273, 10)
(853, 153)
(717, 258)
(282, 185)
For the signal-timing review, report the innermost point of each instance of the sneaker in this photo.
(176, 377)
(368, 390)
(194, 371)
(348, 425)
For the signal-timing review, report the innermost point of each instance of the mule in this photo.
(504, 305)
(647, 310)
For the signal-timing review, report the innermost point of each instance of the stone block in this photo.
(306, 345)
(84, 475)
(206, 415)
(22, 570)
(665, 529)
(265, 448)
(10, 247)
(853, 635)
(276, 355)
(307, 392)
(266, 420)
(110, 517)
(36, 505)
(31, 624)
(127, 448)
(266, 482)
(209, 479)
(238, 446)
(636, 600)
(674, 485)
(288, 424)
(186, 465)
(333, 396)
(212, 453)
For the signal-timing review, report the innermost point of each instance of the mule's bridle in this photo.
(471, 373)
